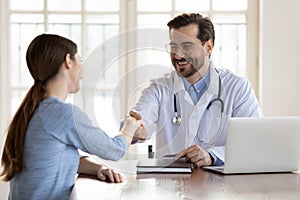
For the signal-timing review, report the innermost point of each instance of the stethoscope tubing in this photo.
(177, 119)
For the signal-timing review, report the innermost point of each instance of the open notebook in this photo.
(254, 145)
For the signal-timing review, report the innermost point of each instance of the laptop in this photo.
(259, 145)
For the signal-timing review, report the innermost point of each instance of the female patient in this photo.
(40, 156)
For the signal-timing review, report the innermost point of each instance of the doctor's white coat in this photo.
(199, 125)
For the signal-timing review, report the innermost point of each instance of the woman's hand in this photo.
(108, 175)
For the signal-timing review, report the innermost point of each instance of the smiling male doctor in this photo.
(199, 96)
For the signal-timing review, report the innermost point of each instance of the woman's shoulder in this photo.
(52, 104)
(54, 113)
(57, 109)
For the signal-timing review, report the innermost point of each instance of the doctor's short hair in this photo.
(206, 29)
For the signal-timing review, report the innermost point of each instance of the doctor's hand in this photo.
(196, 155)
(135, 114)
(141, 132)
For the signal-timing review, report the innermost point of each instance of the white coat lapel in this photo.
(201, 106)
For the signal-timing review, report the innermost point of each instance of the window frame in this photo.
(128, 21)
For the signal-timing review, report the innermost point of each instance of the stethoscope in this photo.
(177, 119)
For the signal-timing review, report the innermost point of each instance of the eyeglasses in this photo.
(186, 48)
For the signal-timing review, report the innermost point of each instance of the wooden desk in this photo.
(200, 184)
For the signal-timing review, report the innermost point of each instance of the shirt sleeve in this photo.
(72, 126)
(216, 161)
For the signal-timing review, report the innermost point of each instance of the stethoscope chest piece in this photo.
(176, 119)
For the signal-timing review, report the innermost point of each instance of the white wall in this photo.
(280, 57)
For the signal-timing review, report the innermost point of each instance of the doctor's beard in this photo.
(195, 65)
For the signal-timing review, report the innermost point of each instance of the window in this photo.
(116, 30)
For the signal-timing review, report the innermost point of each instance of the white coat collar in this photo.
(177, 83)
(213, 86)
(214, 79)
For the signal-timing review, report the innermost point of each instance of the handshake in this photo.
(134, 127)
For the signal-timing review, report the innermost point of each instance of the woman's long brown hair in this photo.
(44, 56)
